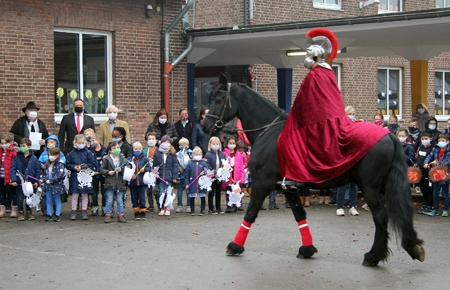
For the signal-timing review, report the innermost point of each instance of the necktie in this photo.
(32, 128)
(78, 123)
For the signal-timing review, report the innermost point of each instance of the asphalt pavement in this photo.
(188, 252)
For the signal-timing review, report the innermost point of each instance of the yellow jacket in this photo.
(105, 131)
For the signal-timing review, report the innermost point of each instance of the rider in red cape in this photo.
(319, 141)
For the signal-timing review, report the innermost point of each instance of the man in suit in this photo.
(73, 124)
(29, 123)
(107, 127)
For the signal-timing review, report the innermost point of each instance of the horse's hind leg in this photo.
(307, 249)
(259, 193)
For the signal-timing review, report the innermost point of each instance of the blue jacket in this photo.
(44, 155)
(56, 177)
(139, 162)
(28, 166)
(168, 170)
(77, 157)
(210, 156)
(410, 153)
(180, 158)
(445, 158)
(200, 139)
(192, 170)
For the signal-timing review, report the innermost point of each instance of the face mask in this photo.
(5, 146)
(117, 140)
(412, 129)
(79, 110)
(32, 114)
(402, 139)
(184, 147)
(215, 147)
(197, 157)
(231, 147)
(184, 117)
(353, 118)
(421, 111)
(162, 121)
(432, 127)
(50, 146)
(165, 145)
(442, 144)
(93, 144)
(115, 151)
(52, 158)
(24, 149)
(112, 116)
(151, 143)
(81, 146)
(378, 122)
(137, 153)
(426, 142)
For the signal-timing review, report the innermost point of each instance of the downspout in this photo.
(168, 67)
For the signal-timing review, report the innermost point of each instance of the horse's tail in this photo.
(398, 197)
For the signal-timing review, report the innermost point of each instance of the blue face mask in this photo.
(432, 127)
(117, 140)
(442, 144)
(353, 118)
(137, 153)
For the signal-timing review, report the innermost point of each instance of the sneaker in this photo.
(433, 213)
(417, 189)
(192, 213)
(150, 208)
(103, 210)
(220, 211)
(332, 203)
(143, 217)
(340, 212)
(73, 215)
(94, 211)
(213, 212)
(262, 208)
(84, 215)
(137, 215)
(179, 209)
(161, 212)
(48, 218)
(422, 210)
(57, 218)
(445, 213)
(107, 218)
(353, 211)
(188, 209)
(202, 212)
(21, 217)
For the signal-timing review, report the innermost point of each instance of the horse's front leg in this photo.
(257, 198)
(307, 248)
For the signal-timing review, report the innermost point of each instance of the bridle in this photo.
(219, 123)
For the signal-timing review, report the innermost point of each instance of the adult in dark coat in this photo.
(184, 128)
(30, 123)
(69, 128)
(161, 127)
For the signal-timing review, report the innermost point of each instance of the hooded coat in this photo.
(44, 155)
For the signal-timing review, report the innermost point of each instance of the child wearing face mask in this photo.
(432, 129)
(27, 164)
(183, 157)
(194, 169)
(7, 154)
(119, 135)
(149, 152)
(51, 141)
(236, 161)
(425, 186)
(80, 158)
(408, 147)
(137, 185)
(53, 181)
(393, 124)
(413, 130)
(166, 164)
(440, 155)
(214, 157)
(98, 181)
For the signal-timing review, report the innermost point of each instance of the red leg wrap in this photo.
(305, 233)
(242, 233)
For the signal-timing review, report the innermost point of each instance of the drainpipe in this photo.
(250, 12)
(168, 67)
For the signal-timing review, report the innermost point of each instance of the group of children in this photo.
(92, 169)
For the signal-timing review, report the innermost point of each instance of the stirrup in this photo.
(290, 185)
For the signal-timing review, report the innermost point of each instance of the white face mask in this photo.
(151, 143)
(52, 158)
(421, 111)
(5, 146)
(162, 121)
(231, 147)
(426, 142)
(402, 139)
(197, 157)
(32, 114)
(112, 116)
(215, 147)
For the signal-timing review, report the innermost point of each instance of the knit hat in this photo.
(165, 138)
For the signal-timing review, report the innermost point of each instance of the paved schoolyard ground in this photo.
(184, 252)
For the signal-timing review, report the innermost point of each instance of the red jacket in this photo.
(10, 154)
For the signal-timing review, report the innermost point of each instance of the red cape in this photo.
(319, 141)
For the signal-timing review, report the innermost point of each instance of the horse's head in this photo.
(222, 109)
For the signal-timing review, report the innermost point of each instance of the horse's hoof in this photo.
(234, 249)
(306, 252)
(418, 252)
(370, 262)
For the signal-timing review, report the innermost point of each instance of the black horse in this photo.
(380, 174)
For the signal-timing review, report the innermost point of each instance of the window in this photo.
(442, 92)
(387, 6)
(389, 91)
(327, 4)
(442, 3)
(337, 71)
(82, 70)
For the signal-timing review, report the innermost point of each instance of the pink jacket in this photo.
(238, 170)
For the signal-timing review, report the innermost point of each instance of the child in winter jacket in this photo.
(7, 154)
(194, 169)
(137, 185)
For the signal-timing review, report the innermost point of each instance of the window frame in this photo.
(380, 11)
(328, 6)
(338, 67)
(441, 117)
(98, 118)
(400, 91)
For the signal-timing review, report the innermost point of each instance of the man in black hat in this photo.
(29, 123)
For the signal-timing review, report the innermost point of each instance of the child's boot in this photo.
(322, 200)
(21, 216)
(245, 191)
(121, 218)
(14, 211)
(302, 200)
(307, 201)
(162, 212)
(107, 218)
(73, 215)
(166, 210)
(327, 200)
(143, 215)
(137, 214)
(2, 211)
(84, 215)
(29, 216)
